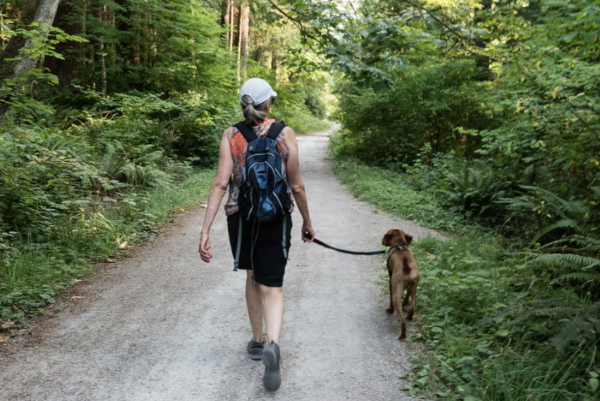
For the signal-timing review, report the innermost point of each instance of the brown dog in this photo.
(404, 275)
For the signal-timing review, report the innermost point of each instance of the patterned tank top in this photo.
(239, 149)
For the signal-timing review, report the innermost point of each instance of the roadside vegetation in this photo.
(481, 119)
(488, 324)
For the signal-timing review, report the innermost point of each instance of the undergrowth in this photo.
(389, 193)
(489, 325)
(33, 274)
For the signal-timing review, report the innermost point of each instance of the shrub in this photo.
(426, 105)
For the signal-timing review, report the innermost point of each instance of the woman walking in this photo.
(258, 248)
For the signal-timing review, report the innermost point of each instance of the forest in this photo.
(481, 115)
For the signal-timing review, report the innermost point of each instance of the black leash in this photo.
(319, 242)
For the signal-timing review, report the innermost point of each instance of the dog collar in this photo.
(397, 246)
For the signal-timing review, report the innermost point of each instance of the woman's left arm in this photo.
(297, 185)
(217, 191)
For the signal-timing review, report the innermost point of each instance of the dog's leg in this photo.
(391, 308)
(405, 302)
(413, 301)
(398, 290)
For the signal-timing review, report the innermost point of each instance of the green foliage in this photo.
(495, 325)
(158, 46)
(473, 188)
(388, 193)
(301, 107)
(573, 258)
(33, 274)
(39, 185)
(424, 106)
(41, 41)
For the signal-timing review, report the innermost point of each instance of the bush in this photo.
(40, 186)
(426, 106)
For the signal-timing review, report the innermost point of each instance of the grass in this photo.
(386, 191)
(33, 275)
(471, 287)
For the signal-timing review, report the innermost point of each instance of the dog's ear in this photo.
(408, 237)
(387, 238)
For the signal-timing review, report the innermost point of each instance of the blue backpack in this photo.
(264, 192)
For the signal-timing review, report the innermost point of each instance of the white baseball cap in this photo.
(258, 89)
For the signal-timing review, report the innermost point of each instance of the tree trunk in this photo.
(244, 38)
(239, 45)
(275, 63)
(227, 21)
(2, 29)
(42, 12)
(103, 17)
(232, 25)
(194, 41)
(16, 43)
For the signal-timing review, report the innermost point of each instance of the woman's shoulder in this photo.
(288, 132)
(230, 132)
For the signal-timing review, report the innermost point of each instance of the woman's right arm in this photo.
(217, 191)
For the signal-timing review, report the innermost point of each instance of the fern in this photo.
(573, 256)
(577, 277)
(547, 307)
(581, 329)
(138, 167)
(565, 260)
(473, 189)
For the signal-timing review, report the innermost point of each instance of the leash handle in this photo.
(307, 235)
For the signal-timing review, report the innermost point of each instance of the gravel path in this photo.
(161, 325)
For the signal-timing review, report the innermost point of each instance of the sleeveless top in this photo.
(239, 149)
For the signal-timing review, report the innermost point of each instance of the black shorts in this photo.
(262, 245)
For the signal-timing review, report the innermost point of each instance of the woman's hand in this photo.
(204, 248)
(307, 228)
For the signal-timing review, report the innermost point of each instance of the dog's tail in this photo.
(406, 267)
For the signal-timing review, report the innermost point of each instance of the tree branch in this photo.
(298, 24)
(452, 30)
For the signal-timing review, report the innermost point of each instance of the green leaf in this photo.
(594, 384)
(569, 37)
(502, 333)
(589, 38)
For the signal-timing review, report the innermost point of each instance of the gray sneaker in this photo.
(271, 359)
(255, 349)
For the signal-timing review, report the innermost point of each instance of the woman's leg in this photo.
(272, 298)
(254, 303)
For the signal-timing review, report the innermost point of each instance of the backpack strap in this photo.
(246, 131)
(249, 134)
(276, 129)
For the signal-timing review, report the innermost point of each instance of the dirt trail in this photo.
(162, 325)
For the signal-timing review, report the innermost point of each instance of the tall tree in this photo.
(244, 39)
(18, 58)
